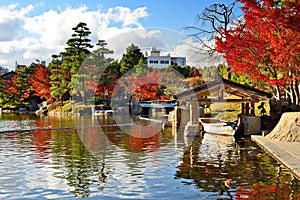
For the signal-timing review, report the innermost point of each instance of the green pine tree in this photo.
(76, 51)
(22, 85)
(65, 66)
(131, 59)
(59, 79)
(95, 69)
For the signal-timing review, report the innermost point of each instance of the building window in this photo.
(153, 61)
(164, 62)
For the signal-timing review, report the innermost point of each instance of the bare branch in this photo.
(210, 21)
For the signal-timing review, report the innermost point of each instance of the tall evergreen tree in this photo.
(132, 58)
(22, 84)
(80, 43)
(65, 66)
(95, 71)
(76, 51)
(59, 79)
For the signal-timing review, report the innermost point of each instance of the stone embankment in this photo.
(287, 129)
(283, 142)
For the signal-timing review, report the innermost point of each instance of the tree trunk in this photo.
(293, 94)
(278, 95)
(84, 101)
(228, 73)
(297, 93)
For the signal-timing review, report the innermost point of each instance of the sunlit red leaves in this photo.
(267, 44)
(275, 82)
(146, 86)
(40, 81)
(262, 192)
(15, 90)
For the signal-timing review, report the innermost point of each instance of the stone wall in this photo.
(287, 129)
(252, 125)
(180, 116)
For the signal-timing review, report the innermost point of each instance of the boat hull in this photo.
(216, 126)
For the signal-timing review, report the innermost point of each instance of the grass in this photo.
(225, 111)
(69, 106)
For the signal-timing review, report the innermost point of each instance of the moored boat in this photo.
(216, 126)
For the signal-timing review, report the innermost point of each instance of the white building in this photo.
(159, 61)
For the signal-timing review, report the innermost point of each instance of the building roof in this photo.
(230, 87)
(8, 75)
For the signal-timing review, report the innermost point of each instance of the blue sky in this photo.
(37, 29)
(173, 14)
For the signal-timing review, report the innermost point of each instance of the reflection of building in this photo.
(159, 61)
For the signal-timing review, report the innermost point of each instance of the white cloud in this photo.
(165, 40)
(25, 37)
(10, 19)
(128, 18)
(144, 38)
(195, 55)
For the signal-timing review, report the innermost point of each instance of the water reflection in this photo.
(92, 157)
(16, 122)
(231, 169)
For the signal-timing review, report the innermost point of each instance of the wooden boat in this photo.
(216, 126)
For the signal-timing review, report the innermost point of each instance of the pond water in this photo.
(67, 157)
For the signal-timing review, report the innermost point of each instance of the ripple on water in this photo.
(9, 125)
(57, 165)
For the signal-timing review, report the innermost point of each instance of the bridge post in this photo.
(194, 112)
(192, 128)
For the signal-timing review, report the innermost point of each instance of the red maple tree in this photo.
(265, 45)
(17, 89)
(146, 86)
(40, 81)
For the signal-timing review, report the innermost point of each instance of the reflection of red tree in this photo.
(42, 139)
(97, 139)
(137, 144)
(42, 142)
(143, 139)
(260, 192)
(93, 139)
(113, 134)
